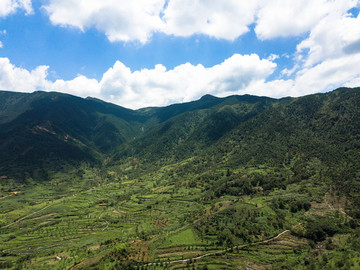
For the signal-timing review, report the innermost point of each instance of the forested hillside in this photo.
(241, 182)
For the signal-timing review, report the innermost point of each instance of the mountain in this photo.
(46, 130)
(217, 183)
(185, 128)
(307, 136)
(256, 129)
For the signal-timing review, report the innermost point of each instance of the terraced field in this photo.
(149, 222)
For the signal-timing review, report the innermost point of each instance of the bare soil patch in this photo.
(161, 223)
(140, 251)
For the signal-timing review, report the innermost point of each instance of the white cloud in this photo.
(353, 83)
(119, 20)
(326, 76)
(1, 44)
(283, 18)
(334, 37)
(80, 86)
(139, 19)
(225, 19)
(8, 7)
(273, 57)
(186, 82)
(239, 74)
(22, 80)
(147, 87)
(221, 19)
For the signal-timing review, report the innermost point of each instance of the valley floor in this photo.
(85, 220)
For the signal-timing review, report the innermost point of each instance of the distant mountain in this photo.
(250, 129)
(46, 131)
(185, 128)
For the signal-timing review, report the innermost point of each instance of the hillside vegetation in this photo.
(241, 182)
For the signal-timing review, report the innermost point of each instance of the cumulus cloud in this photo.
(8, 7)
(80, 86)
(353, 83)
(139, 19)
(221, 19)
(22, 80)
(186, 82)
(217, 18)
(239, 74)
(283, 18)
(326, 76)
(155, 87)
(333, 37)
(119, 20)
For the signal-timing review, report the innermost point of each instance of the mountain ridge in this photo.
(221, 181)
(41, 127)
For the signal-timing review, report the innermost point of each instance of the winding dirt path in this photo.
(77, 265)
(29, 215)
(12, 194)
(184, 261)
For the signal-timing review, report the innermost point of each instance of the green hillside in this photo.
(241, 182)
(42, 131)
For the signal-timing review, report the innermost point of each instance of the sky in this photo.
(142, 53)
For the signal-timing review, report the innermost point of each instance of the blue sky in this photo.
(156, 52)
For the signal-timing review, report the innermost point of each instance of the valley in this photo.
(235, 183)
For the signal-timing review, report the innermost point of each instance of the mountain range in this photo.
(45, 130)
(217, 183)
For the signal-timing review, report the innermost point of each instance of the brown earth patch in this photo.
(140, 251)
(41, 128)
(161, 223)
(95, 247)
(331, 202)
(63, 255)
(250, 265)
(335, 202)
(119, 212)
(11, 194)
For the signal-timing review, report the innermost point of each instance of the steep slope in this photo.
(45, 129)
(316, 136)
(194, 126)
(255, 129)
(322, 125)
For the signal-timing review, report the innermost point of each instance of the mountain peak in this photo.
(208, 97)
